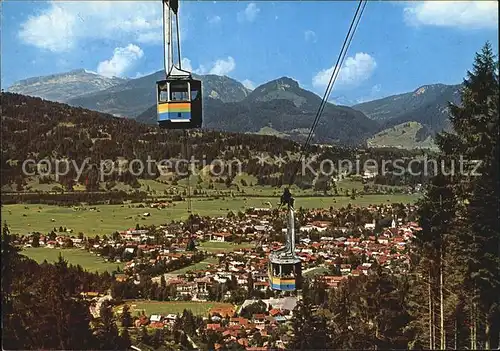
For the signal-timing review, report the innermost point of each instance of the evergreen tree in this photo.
(126, 317)
(107, 331)
(125, 337)
(158, 338)
(190, 245)
(144, 336)
(460, 218)
(309, 328)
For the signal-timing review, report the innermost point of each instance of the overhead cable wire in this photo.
(336, 70)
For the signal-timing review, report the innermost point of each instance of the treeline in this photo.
(363, 313)
(74, 198)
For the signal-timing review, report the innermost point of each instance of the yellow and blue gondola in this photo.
(179, 103)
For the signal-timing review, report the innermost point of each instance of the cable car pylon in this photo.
(285, 267)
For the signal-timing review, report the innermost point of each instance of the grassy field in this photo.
(401, 136)
(243, 185)
(109, 218)
(222, 247)
(196, 266)
(85, 259)
(315, 271)
(166, 307)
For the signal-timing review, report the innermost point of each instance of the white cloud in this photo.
(150, 37)
(374, 95)
(63, 25)
(354, 71)
(249, 14)
(310, 35)
(248, 84)
(57, 23)
(376, 89)
(464, 14)
(214, 19)
(222, 67)
(200, 70)
(122, 60)
(186, 64)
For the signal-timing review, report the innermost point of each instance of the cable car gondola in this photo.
(285, 267)
(179, 96)
(179, 102)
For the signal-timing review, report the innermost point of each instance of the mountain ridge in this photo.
(284, 106)
(279, 104)
(133, 97)
(61, 87)
(427, 105)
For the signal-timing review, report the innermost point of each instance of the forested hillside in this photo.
(37, 129)
(34, 129)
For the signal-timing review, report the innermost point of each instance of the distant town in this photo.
(334, 246)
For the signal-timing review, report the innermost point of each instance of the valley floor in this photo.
(105, 219)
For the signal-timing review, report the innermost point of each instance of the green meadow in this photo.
(106, 219)
(88, 261)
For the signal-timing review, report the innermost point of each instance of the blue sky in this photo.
(398, 47)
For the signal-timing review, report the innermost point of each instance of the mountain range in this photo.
(427, 105)
(285, 108)
(65, 86)
(135, 96)
(278, 107)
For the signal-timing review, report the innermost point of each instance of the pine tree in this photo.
(190, 245)
(126, 317)
(157, 339)
(310, 329)
(144, 336)
(469, 286)
(125, 336)
(107, 331)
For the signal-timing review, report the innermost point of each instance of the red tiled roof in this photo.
(274, 312)
(261, 283)
(222, 234)
(213, 326)
(239, 320)
(157, 325)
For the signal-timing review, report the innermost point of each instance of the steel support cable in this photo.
(337, 67)
(178, 40)
(336, 70)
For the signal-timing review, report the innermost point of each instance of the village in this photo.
(333, 244)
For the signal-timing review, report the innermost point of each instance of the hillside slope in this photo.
(64, 86)
(37, 129)
(408, 135)
(427, 105)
